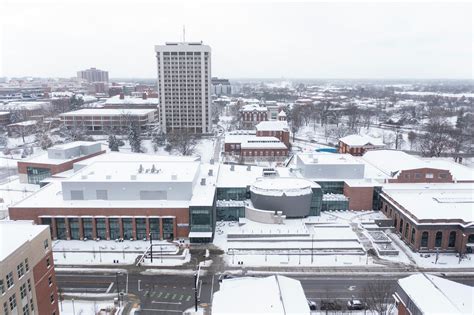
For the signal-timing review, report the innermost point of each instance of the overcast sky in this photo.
(249, 39)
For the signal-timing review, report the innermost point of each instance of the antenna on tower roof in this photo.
(184, 33)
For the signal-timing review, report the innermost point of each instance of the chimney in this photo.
(122, 96)
(144, 96)
(203, 182)
(210, 173)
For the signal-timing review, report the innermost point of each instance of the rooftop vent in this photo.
(249, 167)
(108, 176)
(133, 177)
(153, 169)
(84, 177)
(232, 167)
(203, 181)
(174, 177)
(210, 173)
(140, 169)
(212, 161)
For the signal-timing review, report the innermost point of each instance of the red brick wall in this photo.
(54, 169)
(360, 198)
(408, 176)
(264, 152)
(283, 136)
(41, 274)
(181, 214)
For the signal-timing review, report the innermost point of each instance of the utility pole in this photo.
(312, 247)
(151, 247)
(195, 291)
(118, 289)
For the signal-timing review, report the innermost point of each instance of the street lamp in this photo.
(161, 253)
(151, 246)
(195, 292)
(118, 289)
(312, 247)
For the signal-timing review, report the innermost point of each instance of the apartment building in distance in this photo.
(93, 75)
(184, 86)
(27, 278)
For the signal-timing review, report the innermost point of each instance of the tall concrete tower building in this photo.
(184, 86)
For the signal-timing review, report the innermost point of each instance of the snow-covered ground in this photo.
(84, 307)
(116, 253)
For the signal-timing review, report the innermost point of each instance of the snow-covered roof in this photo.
(240, 177)
(278, 186)
(127, 100)
(320, 158)
(205, 188)
(361, 140)
(272, 125)
(14, 234)
(250, 141)
(271, 295)
(25, 123)
(446, 201)
(253, 107)
(47, 158)
(24, 105)
(282, 114)
(109, 112)
(435, 295)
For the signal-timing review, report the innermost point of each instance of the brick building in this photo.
(27, 277)
(57, 159)
(4, 118)
(358, 145)
(431, 217)
(428, 294)
(252, 114)
(278, 129)
(126, 199)
(123, 101)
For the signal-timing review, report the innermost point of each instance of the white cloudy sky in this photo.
(249, 38)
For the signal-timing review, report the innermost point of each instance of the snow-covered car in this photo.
(355, 305)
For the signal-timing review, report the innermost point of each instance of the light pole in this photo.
(73, 309)
(312, 247)
(151, 246)
(161, 253)
(195, 292)
(118, 289)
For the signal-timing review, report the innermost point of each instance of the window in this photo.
(50, 281)
(46, 244)
(406, 230)
(424, 239)
(26, 310)
(32, 305)
(29, 285)
(2, 287)
(443, 175)
(20, 269)
(417, 175)
(5, 308)
(452, 239)
(51, 298)
(23, 290)
(438, 238)
(48, 263)
(412, 240)
(27, 266)
(12, 302)
(429, 175)
(77, 195)
(9, 280)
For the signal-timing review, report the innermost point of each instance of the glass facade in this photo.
(101, 229)
(377, 200)
(229, 213)
(61, 228)
(140, 228)
(334, 205)
(74, 228)
(48, 221)
(37, 174)
(127, 228)
(438, 239)
(114, 228)
(232, 194)
(316, 202)
(155, 228)
(168, 231)
(335, 187)
(200, 219)
(87, 228)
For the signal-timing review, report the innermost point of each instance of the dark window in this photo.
(127, 228)
(140, 228)
(168, 224)
(412, 240)
(438, 238)
(452, 239)
(114, 228)
(74, 228)
(470, 239)
(61, 228)
(424, 239)
(406, 230)
(101, 229)
(87, 228)
(35, 175)
(155, 227)
(48, 262)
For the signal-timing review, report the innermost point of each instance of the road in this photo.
(166, 294)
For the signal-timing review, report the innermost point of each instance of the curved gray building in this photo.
(291, 196)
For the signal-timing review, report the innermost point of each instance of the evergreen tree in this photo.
(113, 143)
(134, 138)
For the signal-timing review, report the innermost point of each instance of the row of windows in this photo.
(12, 304)
(264, 153)
(427, 175)
(22, 268)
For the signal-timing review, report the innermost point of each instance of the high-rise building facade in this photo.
(93, 75)
(184, 86)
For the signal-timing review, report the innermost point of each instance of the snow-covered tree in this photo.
(158, 139)
(43, 140)
(114, 143)
(183, 142)
(134, 138)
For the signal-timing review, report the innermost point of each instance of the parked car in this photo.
(225, 276)
(312, 305)
(355, 305)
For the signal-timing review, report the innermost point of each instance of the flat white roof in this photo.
(448, 201)
(43, 158)
(435, 295)
(109, 112)
(14, 234)
(253, 107)
(271, 295)
(317, 158)
(272, 125)
(240, 177)
(277, 186)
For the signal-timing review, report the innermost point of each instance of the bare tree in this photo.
(412, 138)
(295, 120)
(378, 294)
(182, 142)
(436, 139)
(353, 116)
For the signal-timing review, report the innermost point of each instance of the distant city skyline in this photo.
(249, 40)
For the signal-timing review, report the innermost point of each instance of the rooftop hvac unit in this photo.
(174, 177)
(211, 172)
(203, 181)
(133, 177)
